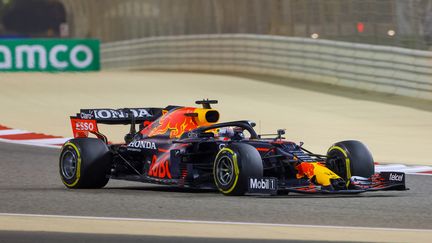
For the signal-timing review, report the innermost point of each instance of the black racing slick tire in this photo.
(85, 163)
(350, 158)
(234, 165)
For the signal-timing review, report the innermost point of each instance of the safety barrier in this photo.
(385, 69)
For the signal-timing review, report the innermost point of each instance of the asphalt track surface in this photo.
(30, 184)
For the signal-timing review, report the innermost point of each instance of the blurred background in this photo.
(32, 18)
(403, 23)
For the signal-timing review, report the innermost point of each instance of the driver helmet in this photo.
(227, 132)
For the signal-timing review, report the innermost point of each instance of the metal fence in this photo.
(404, 23)
(390, 70)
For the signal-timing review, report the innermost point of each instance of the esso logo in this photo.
(84, 126)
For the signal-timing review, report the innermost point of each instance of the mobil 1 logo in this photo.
(263, 185)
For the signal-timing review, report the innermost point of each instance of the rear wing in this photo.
(120, 116)
(86, 120)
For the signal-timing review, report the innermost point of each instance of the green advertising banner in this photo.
(51, 55)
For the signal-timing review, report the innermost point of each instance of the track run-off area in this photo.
(396, 132)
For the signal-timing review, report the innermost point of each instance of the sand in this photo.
(43, 102)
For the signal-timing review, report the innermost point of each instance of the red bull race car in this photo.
(188, 147)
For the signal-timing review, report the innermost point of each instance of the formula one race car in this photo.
(187, 147)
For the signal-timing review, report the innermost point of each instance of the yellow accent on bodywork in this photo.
(78, 172)
(347, 161)
(323, 175)
(201, 119)
(236, 170)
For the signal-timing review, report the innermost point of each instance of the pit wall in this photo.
(391, 70)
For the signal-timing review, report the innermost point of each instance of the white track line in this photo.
(29, 144)
(403, 168)
(12, 132)
(211, 222)
(206, 229)
(45, 141)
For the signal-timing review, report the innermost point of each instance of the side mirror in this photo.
(281, 132)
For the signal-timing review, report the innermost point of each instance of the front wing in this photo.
(383, 181)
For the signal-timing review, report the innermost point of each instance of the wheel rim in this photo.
(225, 170)
(338, 164)
(68, 165)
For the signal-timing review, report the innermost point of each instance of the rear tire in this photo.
(350, 158)
(85, 163)
(234, 165)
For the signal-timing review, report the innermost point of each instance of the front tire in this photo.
(84, 163)
(234, 165)
(350, 158)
